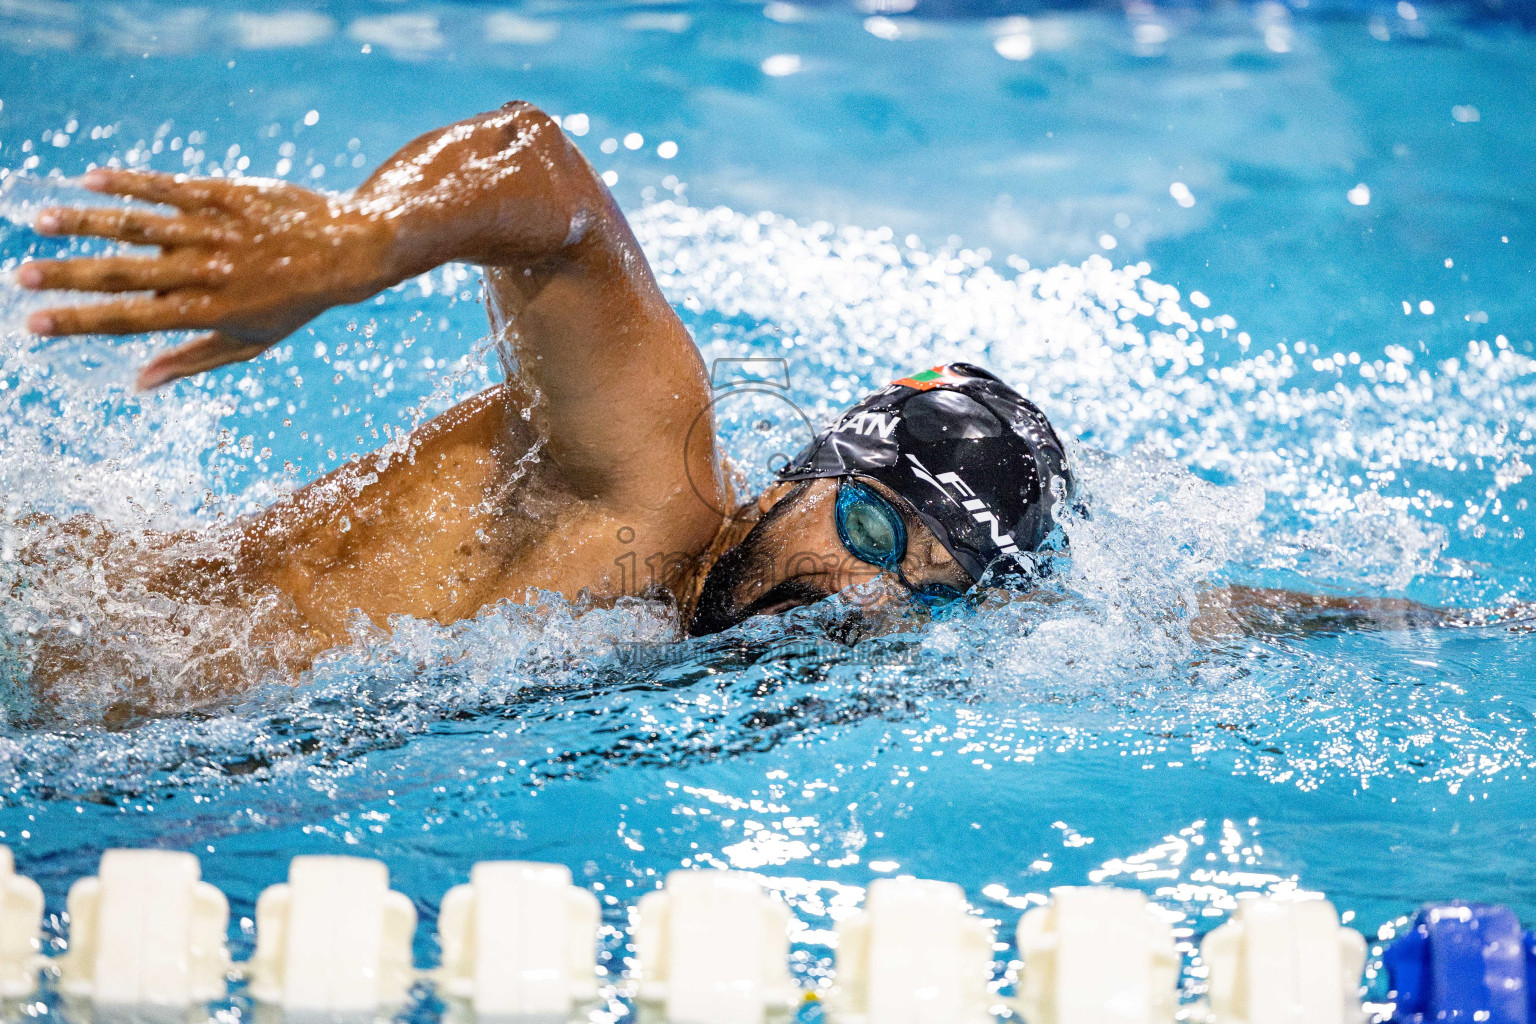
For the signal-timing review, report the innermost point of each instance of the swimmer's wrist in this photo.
(371, 261)
(398, 238)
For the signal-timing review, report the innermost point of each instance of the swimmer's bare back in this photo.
(545, 482)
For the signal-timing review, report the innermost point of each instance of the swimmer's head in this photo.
(929, 481)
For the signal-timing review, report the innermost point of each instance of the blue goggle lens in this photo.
(869, 527)
(873, 532)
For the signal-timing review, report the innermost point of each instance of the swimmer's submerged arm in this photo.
(1239, 610)
(251, 260)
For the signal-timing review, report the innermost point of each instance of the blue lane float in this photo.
(1466, 962)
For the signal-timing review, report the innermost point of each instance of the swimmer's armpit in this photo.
(252, 260)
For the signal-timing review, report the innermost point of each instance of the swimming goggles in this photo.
(872, 531)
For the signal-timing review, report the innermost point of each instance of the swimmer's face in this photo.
(793, 557)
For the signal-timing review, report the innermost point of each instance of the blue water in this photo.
(1272, 267)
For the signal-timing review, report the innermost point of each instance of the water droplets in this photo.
(781, 65)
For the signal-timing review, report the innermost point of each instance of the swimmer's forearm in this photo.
(505, 189)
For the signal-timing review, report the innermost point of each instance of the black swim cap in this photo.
(976, 459)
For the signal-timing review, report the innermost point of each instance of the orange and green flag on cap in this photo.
(929, 379)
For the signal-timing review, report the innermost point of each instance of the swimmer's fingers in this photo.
(205, 353)
(123, 273)
(178, 190)
(181, 311)
(136, 227)
(160, 313)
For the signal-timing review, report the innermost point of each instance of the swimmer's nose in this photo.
(882, 592)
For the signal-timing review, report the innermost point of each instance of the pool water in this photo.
(1271, 267)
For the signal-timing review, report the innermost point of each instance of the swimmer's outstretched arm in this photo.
(1242, 610)
(250, 261)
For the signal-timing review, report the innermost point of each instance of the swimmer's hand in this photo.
(251, 260)
(248, 260)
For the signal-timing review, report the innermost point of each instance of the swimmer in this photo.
(547, 482)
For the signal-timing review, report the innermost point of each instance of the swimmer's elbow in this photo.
(525, 109)
(528, 130)
(524, 127)
(519, 117)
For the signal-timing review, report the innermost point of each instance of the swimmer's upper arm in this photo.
(581, 317)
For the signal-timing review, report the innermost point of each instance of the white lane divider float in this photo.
(519, 940)
(713, 948)
(146, 931)
(913, 955)
(334, 939)
(1284, 962)
(1097, 955)
(21, 917)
